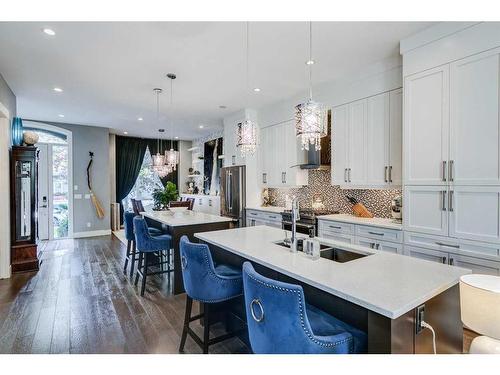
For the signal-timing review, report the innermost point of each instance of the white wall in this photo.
(4, 192)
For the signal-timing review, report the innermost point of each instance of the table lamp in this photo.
(480, 304)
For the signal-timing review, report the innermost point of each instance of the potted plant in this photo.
(162, 197)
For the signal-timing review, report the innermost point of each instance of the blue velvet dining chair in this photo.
(280, 321)
(128, 224)
(208, 284)
(150, 248)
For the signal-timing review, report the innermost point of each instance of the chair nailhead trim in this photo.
(309, 334)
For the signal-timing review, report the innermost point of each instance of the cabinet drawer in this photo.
(335, 227)
(379, 233)
(426, 254)
(262, 215)
(477, 265)
(370, 243)
(346, 238)
(272, 217)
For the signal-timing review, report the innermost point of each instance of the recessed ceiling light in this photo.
(125, 133)
(140, 119)
(176, 137)
(201, 126)
(58, 89)
(49, 31)
(310, 62)
(222, 107)
(256, 89)
(61, 116)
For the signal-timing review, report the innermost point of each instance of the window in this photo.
(147, 182)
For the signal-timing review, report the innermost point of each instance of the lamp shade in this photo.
(480, 304)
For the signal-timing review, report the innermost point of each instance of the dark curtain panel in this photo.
(129, 157)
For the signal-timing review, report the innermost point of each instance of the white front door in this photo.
(43, 192)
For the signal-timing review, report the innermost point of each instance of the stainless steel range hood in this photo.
(322, 159)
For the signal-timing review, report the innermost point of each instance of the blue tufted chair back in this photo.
(201, 280)
(143, 239)
(277, 318)
(128, 223)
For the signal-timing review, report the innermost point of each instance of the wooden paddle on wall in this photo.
(97, 205)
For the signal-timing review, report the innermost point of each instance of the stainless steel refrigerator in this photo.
(233, 193)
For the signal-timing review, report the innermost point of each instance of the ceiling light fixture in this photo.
(140, 119)
(58, 89)
(176, 137)
(159, 159)
(201, 126)
(49, 31)
(310, 62)
(172, 156)
(61, 116)
(256, 89)
(247, 130)
(310, 117)
(125, 133)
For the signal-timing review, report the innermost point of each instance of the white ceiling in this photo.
(108, 70)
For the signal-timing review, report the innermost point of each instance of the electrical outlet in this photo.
(89, 225)
(419, 318)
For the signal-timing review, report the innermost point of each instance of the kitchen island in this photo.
(378, 292)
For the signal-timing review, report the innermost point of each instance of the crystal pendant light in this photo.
(310, 117)
(158, 159)
(248, 130)
(171, 156)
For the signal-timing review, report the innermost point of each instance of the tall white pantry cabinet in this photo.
(451, 160)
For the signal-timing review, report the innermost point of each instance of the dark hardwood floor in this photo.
(81, 302)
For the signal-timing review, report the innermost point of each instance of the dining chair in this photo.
(135, 208)
(207, 284)
(151, 250)
(280, 321)
(128, 224)
(180, 204)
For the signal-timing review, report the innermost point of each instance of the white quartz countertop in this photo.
(183, 218)
(273, 209)
(375, 221)
(386, 283)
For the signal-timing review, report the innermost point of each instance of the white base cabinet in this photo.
(208, 204)
(256, 217)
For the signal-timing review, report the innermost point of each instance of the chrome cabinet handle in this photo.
(443, 202)
(443, 260)
(334, 227)
(444, 170)
(451, 261)
(372, 245)
(264, 178)
(450, 201)
(348, 174)
(345, 174)
(210, 202)
(451, 170)
(376, 234)
(390, 173)
(385, 174)
(447, 245)
(284, 177)
(233, 159)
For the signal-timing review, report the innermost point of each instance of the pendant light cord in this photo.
(310, 60)
(158, 117)
(171, 107)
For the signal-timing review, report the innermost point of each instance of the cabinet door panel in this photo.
(426, 126)
(378, 139)
(474, 213)
(357, 143)
(345, 238)
(474, 122)
(427, 254)
(340, 136)
(263, 151)
(477, 265)
(425, 209)
(396, 136)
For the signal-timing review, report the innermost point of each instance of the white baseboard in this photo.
(92, 233)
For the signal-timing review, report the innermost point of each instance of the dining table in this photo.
(185, 222)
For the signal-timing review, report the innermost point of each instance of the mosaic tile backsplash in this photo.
(334, 198)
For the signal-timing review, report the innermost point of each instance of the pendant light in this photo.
(172, 156)
(310, 117)
(158, 159)
(248, 130)
(159, 166)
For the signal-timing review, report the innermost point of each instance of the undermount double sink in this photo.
(329, 252)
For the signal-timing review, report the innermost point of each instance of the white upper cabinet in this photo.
(340, 142)
(474, 120)
(357, 170)
(280, 154)
(366, 142)
(426, 127)
(378, 139)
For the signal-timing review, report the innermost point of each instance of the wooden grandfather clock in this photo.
(23, 208)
